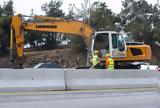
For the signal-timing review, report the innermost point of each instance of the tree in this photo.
(76, 42)
(52, 9)
(155, 18)
(48, 40)
(6, 11)
(1, 10)
(33, 38)
(103, 18)
(141, 20)
(8, 8)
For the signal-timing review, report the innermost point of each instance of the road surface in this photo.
(82, 99)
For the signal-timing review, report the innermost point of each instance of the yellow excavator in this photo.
(105, 41)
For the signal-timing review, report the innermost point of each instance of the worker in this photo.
(109, 62)
(95, 60)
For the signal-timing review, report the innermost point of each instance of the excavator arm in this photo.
(47, 24)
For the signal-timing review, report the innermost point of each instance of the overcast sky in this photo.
(25, 6)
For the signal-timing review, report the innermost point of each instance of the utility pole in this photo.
(86, 11)
(89, 21)
(158, 4)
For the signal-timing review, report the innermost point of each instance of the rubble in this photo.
(67, 58)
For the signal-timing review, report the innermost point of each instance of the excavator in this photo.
(104, 41)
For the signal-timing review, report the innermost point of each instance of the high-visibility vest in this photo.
(95, 60)
(111, 64)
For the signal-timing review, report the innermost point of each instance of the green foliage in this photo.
(52, 40)
(141, 19)
(46, 39)
(6, 11)
(52, 9)
(8, 8)
(102, 18)
(1, 10)
(77, 43)
(33, 38)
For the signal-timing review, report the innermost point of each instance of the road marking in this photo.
(81, 91)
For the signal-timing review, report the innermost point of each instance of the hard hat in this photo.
(96, 51)
(107, 55)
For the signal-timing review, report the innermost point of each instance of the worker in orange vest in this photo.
(109, 62)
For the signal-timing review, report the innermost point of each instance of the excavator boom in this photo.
(47, 24)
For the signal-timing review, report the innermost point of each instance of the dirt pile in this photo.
(5, 62)
(67, 58)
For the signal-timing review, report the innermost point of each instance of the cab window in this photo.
(114, 41)
(102, 43)
(118, 42)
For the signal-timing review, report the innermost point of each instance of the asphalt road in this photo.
(82, 99)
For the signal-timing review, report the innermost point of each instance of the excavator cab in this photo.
(109, 42)
(113, 43)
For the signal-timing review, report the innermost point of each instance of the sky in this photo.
(25, 6)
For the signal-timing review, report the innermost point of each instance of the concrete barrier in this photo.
(103, 79)
(31, 80)
(13, 80)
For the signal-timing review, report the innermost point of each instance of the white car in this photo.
(149, 67)
(46, 65)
